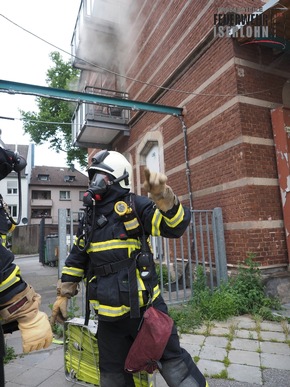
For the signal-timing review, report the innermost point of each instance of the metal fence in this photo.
(202, 244)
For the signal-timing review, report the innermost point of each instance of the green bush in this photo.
(249, 290)
(242, 294)
(161, 271)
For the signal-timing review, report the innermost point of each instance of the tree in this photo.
(53, 121)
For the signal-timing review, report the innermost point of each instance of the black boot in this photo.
(182, 372)
(108, 379)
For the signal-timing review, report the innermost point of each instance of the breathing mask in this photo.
(99, 185)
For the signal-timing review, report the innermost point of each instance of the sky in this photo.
(25, 59)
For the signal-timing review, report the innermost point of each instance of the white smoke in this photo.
(105, 34)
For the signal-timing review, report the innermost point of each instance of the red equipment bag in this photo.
(151, 340)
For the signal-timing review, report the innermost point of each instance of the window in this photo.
(69, 179)
(81, 195)
(64, 195)
(43, 177)
(41, 195)
(13, 211)
(40, 213)
(12, 188)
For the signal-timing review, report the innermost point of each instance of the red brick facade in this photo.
(229, 91)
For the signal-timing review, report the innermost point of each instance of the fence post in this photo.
(221, 245)
(41, 242)
(61, 239)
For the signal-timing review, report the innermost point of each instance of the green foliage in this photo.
(53, 121)
(72, 310)
(249, 291)
(162, 270)
(243, 294)
(186, 317)
(9, 354)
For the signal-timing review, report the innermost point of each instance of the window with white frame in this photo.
(12, 188)
(13, 211)
(64, 195)
(43, 177)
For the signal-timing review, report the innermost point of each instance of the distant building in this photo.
(53, 188)
(9, 187)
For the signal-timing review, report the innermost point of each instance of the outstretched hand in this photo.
(159, 192)
(155, 183)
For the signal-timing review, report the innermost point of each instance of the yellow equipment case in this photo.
(81, 355)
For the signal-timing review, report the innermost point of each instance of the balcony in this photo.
(41, 203)
(95, 38)
(98, 126)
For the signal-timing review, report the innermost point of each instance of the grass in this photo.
(242, 294)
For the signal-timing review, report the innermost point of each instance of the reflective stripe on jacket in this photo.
(115, 242)
(11, 282)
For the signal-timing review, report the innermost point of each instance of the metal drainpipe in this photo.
(187, 170)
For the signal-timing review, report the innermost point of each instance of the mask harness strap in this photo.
(144, 259)
(85, 236)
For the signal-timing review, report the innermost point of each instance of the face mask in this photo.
(98, 187)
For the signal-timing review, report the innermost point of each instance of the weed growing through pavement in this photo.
(196, 359)
(222, 375)
(242, 294)
(9, 354)
(285, 327)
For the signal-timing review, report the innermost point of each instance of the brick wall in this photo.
(228, 91)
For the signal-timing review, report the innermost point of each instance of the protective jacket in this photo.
(11, 282)
(114, 246)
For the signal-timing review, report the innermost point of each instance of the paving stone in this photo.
(219, 331)
(192, 339)
(31, 377)
(245, 334)
(213, 353)
(193, 350)
(276, 336)
(244, 357)
(271, 326)
(210, 368)
(216, 341)
(271, 360)
(245, 344)
(245, 373)
(247, 324)
(277, 348)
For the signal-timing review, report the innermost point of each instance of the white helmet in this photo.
(113, 163)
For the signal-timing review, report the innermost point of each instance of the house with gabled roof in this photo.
(54, 188)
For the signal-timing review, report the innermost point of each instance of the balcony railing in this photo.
(99, 125)
(41, 203)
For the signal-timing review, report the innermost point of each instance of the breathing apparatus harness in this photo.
(99, 185)
(142, 259)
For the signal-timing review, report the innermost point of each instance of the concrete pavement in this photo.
(238, 352)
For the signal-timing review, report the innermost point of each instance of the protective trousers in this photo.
(114, 341)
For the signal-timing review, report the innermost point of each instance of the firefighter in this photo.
(18, 301)
(108, 251)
